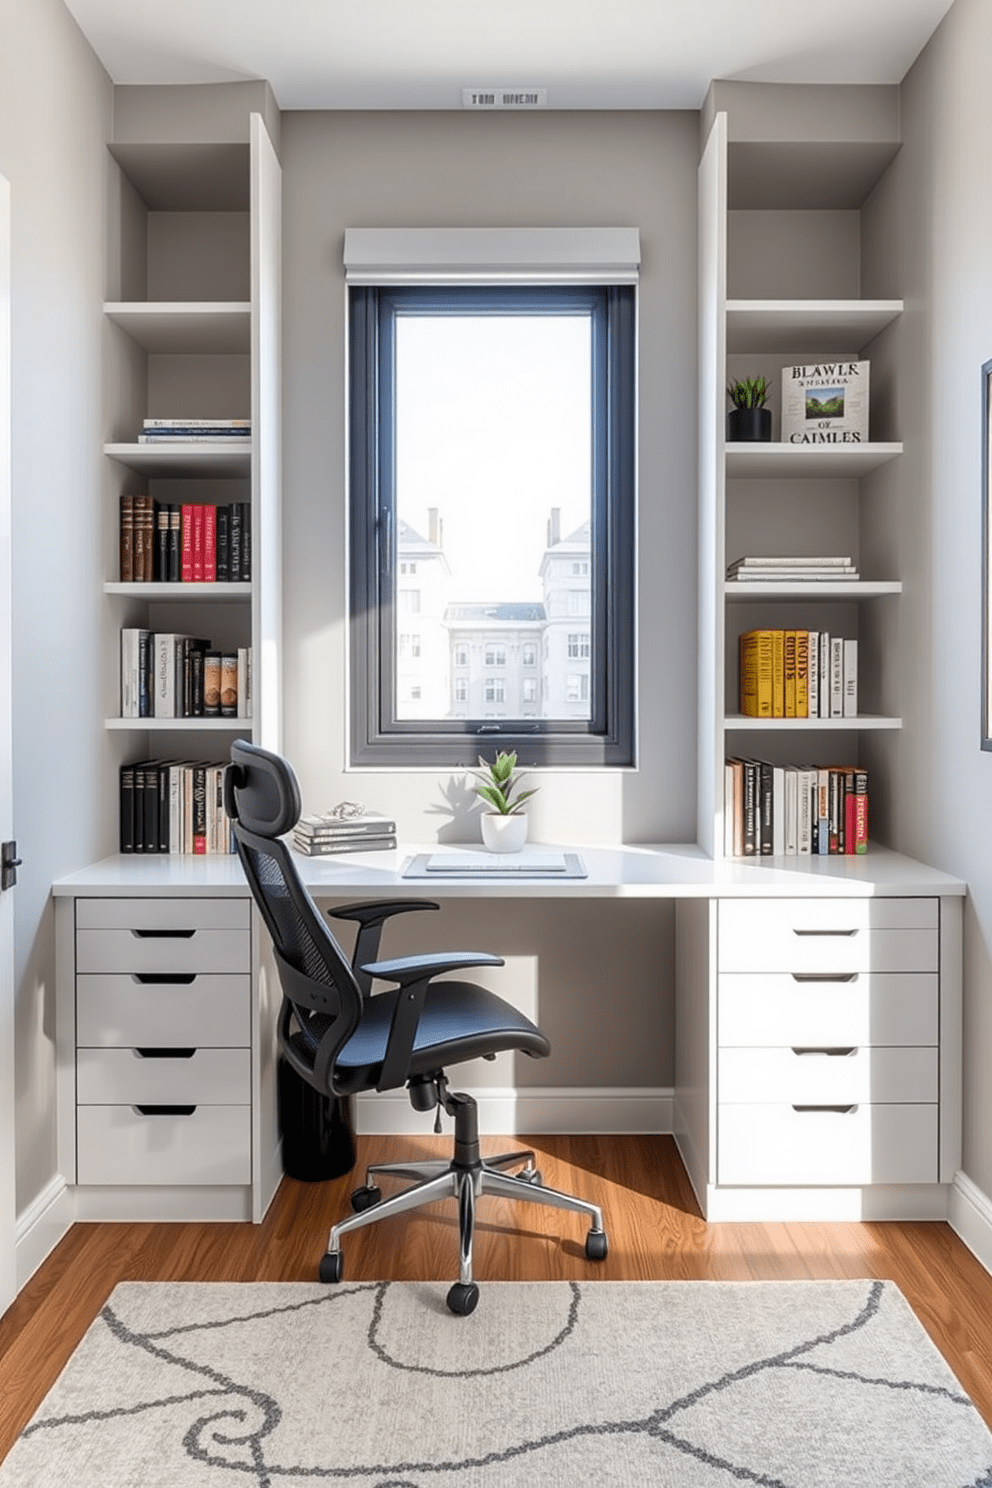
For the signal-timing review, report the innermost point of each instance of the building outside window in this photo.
(495, 690)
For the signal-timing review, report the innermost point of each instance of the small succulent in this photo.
(498, 784)
(749, 392)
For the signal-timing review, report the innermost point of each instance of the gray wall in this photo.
(448, 169)
(55, 109)
(928, 229)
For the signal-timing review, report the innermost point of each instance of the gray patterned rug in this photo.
(694, 1384)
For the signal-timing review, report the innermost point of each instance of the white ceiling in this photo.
(385, 54)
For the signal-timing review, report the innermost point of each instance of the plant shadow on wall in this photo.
(460, 804)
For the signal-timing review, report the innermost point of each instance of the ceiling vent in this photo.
(504, 98)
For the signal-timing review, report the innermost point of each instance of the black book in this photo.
(160, 556)
(146, 655)
(767, 839)
(150, 824)
(192, 694)
(127, 808)
(223, 544)
(139, 806)
(245, 540)
(196, 669)
(174, 570)
(235, 542)
(750, 807)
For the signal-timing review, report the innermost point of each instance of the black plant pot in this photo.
(749, 425)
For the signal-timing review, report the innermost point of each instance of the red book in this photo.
(198, 525)
(850, 823)
(210, 544)
(187, 544)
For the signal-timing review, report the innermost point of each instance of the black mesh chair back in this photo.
(322, 1001)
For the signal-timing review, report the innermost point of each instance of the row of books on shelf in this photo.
(165, 542)
(173, 806)
(802, 810)
(165, 674)
(798, 674)
(787, 570)
(194, 431)
(343, 829)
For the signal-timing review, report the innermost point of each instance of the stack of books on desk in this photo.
(327, 833)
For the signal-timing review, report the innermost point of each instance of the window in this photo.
(578, 645)
(530, 690)
(409, 646)
(492, 428)
(577, 687)
(461, 689)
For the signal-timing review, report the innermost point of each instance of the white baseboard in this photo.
(534, 1109)
(970, 1218)
(42, 1225)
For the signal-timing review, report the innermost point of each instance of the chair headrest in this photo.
(260, 790)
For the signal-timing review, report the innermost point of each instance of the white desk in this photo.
(893, 1156)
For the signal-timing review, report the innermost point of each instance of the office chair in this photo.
(342, 1037)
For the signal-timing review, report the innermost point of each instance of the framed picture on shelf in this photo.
(986, 541)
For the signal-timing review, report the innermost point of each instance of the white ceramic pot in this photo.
(503, 833)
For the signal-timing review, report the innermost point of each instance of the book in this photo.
(127, 539)
(804, 561)
(223, 544)
(234, 541)
(789, 647)
(229, 684)
(211, 684)
(368, 825)
(821, 819)
(825, 403)
(209, 544)
(199, 542)
(186, 543)
(358, 844)
(849, 706)
(778, 810)
(836, 677)
(126, 838)
(778, 673)
(757, 673)
(198, 425)
(791, 810)
(196, 436)
(802, 673)
(245, 540)
(823, 680)
(813, 675)
(160, 568)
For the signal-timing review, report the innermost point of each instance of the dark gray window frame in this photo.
(377, 737)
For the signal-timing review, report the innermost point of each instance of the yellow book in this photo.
(790, 673)
(756, 673)
(778, 674)
(802, 673)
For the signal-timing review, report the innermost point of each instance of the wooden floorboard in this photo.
(655, 1230)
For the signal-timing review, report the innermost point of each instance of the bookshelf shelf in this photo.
(781, 461)
(185, 326)
(829, 326)
(814, 589)
(212, 593)
(861, 721)
(183, 725)
(220, 460)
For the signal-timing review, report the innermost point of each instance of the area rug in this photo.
(694, 1384)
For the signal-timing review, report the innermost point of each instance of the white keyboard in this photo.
(484, 862)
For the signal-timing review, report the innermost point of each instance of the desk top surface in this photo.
(671, 871)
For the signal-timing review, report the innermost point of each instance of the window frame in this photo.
(376, 736)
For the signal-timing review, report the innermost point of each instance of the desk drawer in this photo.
(210, 1145)
(861, 1144)
(885, 1008)
(820, 935)
(163, 952)
(827, 1076)
(125, 1076)
(163, 914)
(120, 1011)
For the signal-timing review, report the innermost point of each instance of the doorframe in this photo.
(8, 1144)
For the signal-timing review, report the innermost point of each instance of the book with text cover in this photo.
(825, 403)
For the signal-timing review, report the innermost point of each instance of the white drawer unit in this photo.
(827, 1032)
(163, 1041)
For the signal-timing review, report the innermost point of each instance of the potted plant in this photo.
(749, 419)
(504, 825)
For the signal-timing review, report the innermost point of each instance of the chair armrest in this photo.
(370, 916)
(409, 969)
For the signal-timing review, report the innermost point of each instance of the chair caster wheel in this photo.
(463, 1298)
(597, 1245)
(331, 1266)
(365, 1197)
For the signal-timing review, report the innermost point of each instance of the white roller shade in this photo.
(492, 255)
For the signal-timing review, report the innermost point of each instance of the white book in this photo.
(836, 677)
(789, 575)
(129, 673)
(824, 677)
(813, 681)
(164, 674)
(728, 810)
(804, 816)
(175, 807)
(805, 560)
(791, 809)
(850, 703)
(778, 810)
(243, 682)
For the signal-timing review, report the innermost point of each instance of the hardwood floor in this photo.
(654, 1225)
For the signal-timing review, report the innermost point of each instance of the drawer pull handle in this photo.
(164, 978)
(828, 1053)
(164, 1053)
(845, 933)
(825, 976)
(163, 1110)
(837, 1110)
(163, 934)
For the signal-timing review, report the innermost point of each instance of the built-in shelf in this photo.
(165, 725)
(812, 589)
(861, 721)
(184, 459)
(189, 326)
(820, 326)
(772, 461)
(215, 593)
